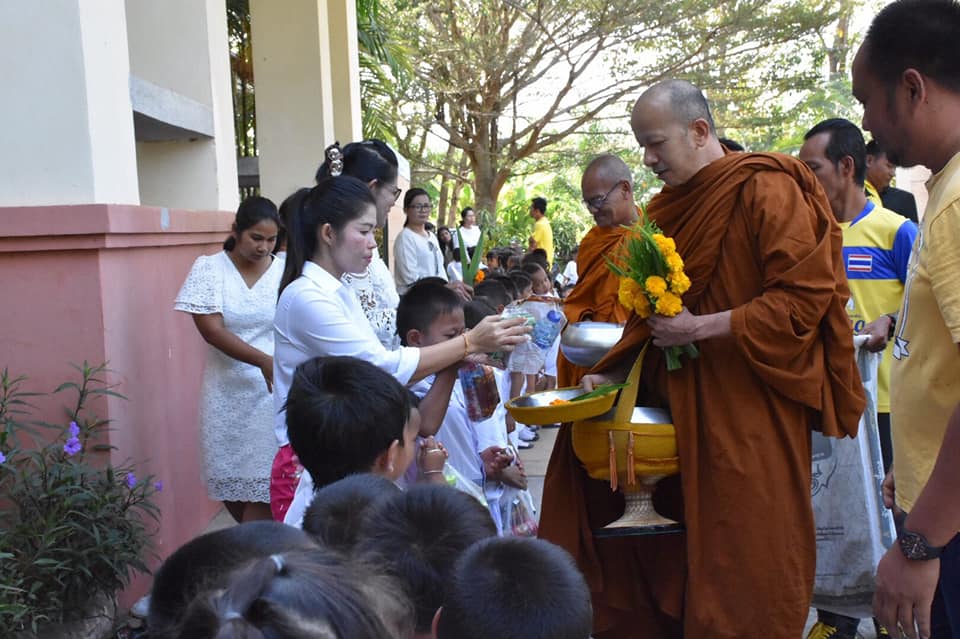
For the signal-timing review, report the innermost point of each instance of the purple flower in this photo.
(131, 480)
(74, 430)
(3, 458)
(73, 446)
(158, 486)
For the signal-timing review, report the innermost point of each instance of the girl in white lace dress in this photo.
(232, 296)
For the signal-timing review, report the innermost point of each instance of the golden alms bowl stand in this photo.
(633, 448)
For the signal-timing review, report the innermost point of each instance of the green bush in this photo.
(69, 530)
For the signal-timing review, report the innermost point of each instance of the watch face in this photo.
(913, 545)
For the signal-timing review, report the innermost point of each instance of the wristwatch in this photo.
(915, 547)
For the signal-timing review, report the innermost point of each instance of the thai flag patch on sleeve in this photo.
(860, 263)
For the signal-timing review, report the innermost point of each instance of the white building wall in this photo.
(68, 126)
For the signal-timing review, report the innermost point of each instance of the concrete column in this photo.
(294, 91)
(179, 53)
(345, 69)
(68, 136)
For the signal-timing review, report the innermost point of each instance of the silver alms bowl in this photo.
(585, 343)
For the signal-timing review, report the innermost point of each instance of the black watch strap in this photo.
(915, 546)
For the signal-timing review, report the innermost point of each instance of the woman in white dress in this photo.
(231, 296)
(416, 250)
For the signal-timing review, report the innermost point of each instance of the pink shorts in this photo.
(284, 477)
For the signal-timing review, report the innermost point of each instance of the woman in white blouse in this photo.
(468, 229)
(332, 234)
(416, 250)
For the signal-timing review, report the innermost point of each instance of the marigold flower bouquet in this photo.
(652, 279)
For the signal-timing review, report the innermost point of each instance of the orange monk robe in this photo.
(758, 238)
(595, 298)
(595, 295)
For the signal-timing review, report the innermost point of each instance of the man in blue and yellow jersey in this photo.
(876, 249)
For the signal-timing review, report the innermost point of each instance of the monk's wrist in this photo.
(713, 325)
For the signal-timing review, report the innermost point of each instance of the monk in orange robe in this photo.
(766, 310)
(607, 187)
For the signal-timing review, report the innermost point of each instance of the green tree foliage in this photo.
(504, 80)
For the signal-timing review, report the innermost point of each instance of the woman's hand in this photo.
(266, 369)
(465, 292)
(495, 333)
(590, 382)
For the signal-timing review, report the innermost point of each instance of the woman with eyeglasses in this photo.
(375, 164)
(416, 250)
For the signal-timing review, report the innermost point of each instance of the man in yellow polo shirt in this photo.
(907, 76)
(542, 232)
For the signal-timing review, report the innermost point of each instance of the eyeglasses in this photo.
(396, 190)
(421, 207)
(598, 202)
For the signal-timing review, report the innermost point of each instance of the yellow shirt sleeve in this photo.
(943, 265)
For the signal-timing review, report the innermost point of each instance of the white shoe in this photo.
(527, 434)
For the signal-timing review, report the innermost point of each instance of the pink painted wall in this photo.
(97, 283)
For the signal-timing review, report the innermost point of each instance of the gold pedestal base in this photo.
(639, 516)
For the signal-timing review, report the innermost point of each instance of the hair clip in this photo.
(335, 158)
(278, 562)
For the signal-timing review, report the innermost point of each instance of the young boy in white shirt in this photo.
(428, 314)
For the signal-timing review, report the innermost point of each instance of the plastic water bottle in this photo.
(547, 329)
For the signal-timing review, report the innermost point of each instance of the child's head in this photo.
(538, 256)
(507, 282)
(523, 283)
(335, 220)
(493, 260)
(417, 536)
(334, 515)
(540, 281)
(476, 309)
(494, 291)
(346, 416)
(429, 313)
(204, 563)
(295, 595)
(515, 588)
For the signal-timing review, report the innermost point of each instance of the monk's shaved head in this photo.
(682, 98)
(609, 168)
(672, 122)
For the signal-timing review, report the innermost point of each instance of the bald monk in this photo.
(766, 311)
(607, 187)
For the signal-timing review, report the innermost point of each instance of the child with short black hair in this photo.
(429, 314)
(495, 291)
(346, 416)
(334, 516)
(417, 536)
(515, 588)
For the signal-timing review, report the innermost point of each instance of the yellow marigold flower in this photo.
(669, 305)
(629, 292)
(642, 306)
(655, 285)
(679, 282)
(666, 244)
(675, 263)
